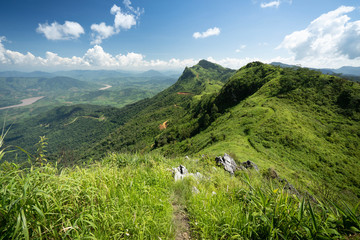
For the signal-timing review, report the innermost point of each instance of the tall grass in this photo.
(99, 202)
(250, 210)
(130, 197)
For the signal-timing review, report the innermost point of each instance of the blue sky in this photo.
(171, 34)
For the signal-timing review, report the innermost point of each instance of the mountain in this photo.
(345, 70)
(169, 105)
(293, 133)
(36, 74)
(92, 75)
(298, 121)
(349, 70)
(151, 73)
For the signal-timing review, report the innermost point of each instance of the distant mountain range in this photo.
(90, 74)
(346, 70)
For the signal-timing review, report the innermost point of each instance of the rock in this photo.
(180, 172)
(250, 164)
(228, 163)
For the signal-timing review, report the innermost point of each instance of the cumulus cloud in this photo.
(210, 32)
(331, 36)
(123, 20)
(270, 4)
(55, 31)
(101, 31)
(95, 58)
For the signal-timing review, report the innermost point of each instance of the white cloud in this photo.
(210, 32)
(101, 31)
(240, 49)
(55, 31)
(115, 9)
(123, 20)
(331, 37)
(270, 4)
(94, 58)
(136, 11)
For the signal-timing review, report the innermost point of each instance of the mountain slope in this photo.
(68, 129)
(298, 121)
(168, 106)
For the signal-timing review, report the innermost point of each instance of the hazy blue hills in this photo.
(345, 70)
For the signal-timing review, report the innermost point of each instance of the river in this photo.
(106, 87)
(24, 102)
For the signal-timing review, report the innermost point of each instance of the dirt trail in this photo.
(164, 125)
(184, 93)
(181, 222)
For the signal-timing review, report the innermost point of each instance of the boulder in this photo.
(180, 172)
(228, 163)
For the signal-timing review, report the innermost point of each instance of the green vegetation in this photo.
(299, 123)
(69, 129)
(101, 201)
(60, 91)
(132, 197)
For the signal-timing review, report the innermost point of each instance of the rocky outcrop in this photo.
(180, 172)
(228, 163)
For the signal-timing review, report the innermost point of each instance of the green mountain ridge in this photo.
(300, 127)
(297, 121)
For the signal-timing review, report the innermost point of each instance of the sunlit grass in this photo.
(131, 196)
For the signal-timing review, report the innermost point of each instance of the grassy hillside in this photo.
(169, 106)
(135, 197)
(300, 122)
(298, 125)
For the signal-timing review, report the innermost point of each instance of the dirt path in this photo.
(164, 125)
(181, 221)
(184, 93)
